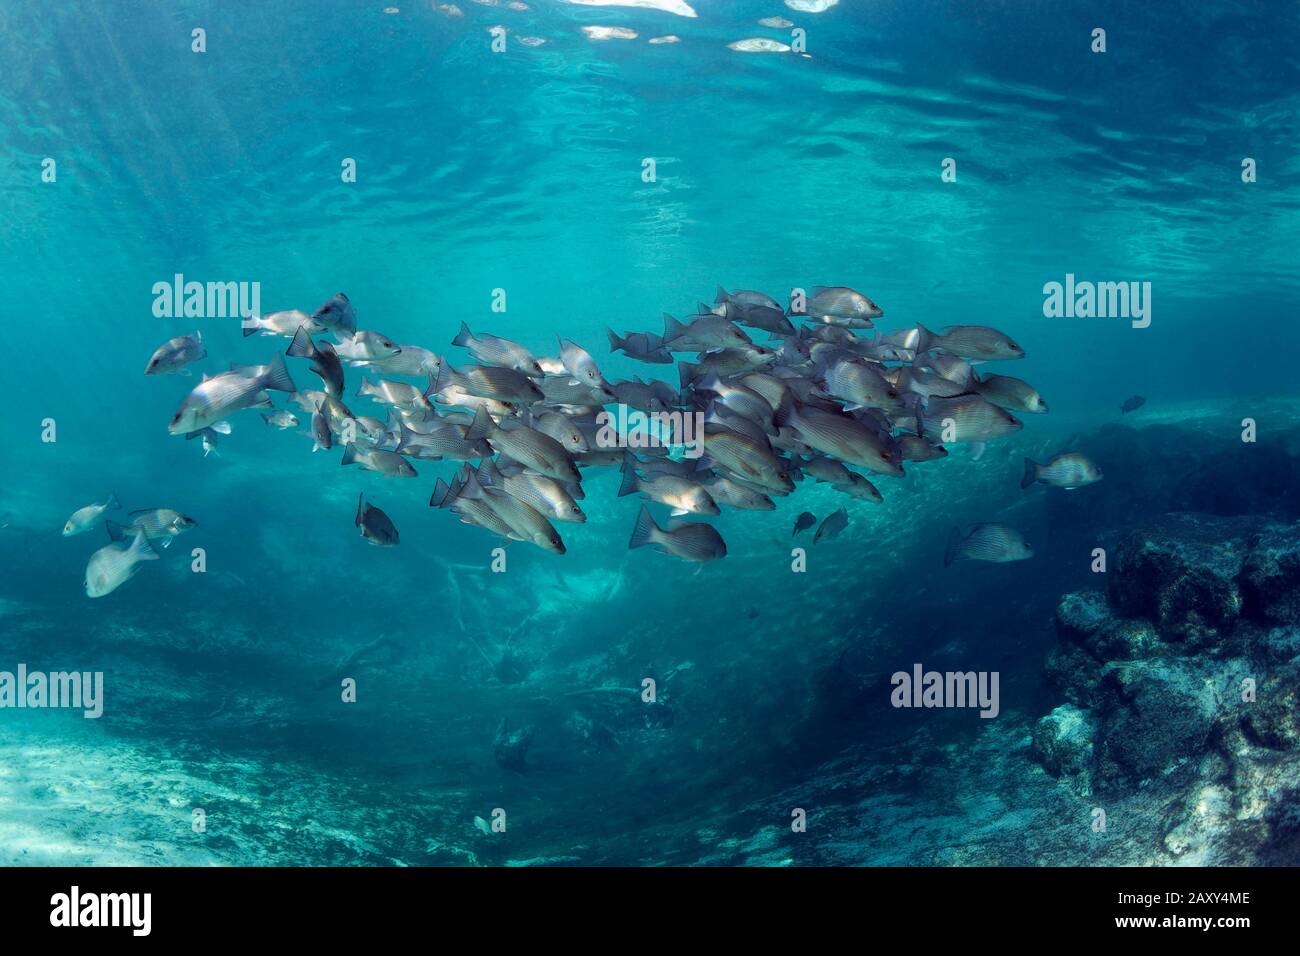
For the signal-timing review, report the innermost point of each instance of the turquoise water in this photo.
(522, 171)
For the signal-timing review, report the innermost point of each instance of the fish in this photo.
(504, 353)
(549, 497)
(221, 395)
(919, 448)
(748, 459)
(337, 315)
(968, 418)
(398, 394)
(172, 356)
(580, 365)
(378, 460)
(280, 323)
(688, 540)
(83, 519)
(860, 488)
(209, 436)
(998, 543)
(470, 510)
(737, 494)
(283, 418)
(321, 433)
(970, 342)
(376, 527)
(116, 563)
(840, 305)
(1011, 393)
(525, 522)
(408, 360)
(324, 360)
(529, 447)
(831, 527)
(1132, 404)
(446, 441)
(1069, 470)
(366, 346)
(642, 346)
(805, 521)
(488, 381)
(758, 45)
(704, 333)
(160, 524)
(842, 437)
(683, 495)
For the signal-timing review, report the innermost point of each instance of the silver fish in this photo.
(116, 563)
(688, 540)
(83, 519)
(378, 460)
(683, 495)
(491, 350)
(215, 398)
(1069, 470)
(173, 355)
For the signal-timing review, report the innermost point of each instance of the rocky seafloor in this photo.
(1161, 693)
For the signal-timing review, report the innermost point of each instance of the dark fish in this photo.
(835, 522)
(803, 522)
(376, 527)
(1132, 404)
(688, 540)
(337, 315)
(324, 360)
(987, 542)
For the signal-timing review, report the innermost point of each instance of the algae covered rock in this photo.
(1271, 577)
(1062, 741)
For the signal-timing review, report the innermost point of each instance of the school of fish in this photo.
(826, 398)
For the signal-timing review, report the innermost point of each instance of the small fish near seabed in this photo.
(998, 543)
(1132, 404)
(116, 563)
(376, 527)
(1069, 470)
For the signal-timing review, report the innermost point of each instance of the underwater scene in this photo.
(650, 433)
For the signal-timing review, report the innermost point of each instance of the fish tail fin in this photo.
(248, 328)
(954, 544)
(362, 388)
(349, 453)
(615, 343)
(1031, 473)
(463, 336)
(141, 548)
(302, 345)
(116, 532)
(630, 483)
(686, 372)
(644, 531)
(481, 427)
(442, 380)
(277, 376)
(785, 409)
(441, 492)
(672, 328)
(721, 296)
